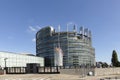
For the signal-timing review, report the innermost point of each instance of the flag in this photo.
(58, 56)
(58, 28)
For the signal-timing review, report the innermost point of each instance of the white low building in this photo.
(9, 59)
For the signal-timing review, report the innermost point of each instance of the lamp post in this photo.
(5, 62)
(67, 47)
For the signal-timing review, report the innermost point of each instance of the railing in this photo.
(48, 70)
(40, 70)
(16, 70)
(1, 71)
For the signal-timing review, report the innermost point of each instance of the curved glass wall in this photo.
(76, 47)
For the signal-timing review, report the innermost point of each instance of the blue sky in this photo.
(20, 19)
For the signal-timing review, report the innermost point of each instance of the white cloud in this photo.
(34, 40)
(38, 27)
(34, 28)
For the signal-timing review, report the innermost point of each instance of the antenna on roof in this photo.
(74, 28)
(82, 30)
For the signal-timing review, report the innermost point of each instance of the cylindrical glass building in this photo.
(77, 47)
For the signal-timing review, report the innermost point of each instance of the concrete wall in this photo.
(70, 71)
(106, 71)
(97, 71)
(79, 71)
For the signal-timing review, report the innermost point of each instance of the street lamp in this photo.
(67, 47)
(5, 61)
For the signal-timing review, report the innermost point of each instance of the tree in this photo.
(103, 64)
(114, 59)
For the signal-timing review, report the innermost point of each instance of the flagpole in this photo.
(67, 47)
(58, 36)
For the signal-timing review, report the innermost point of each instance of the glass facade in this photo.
(8, 59)
(76, 47)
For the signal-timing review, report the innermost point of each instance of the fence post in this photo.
(57, 68)
(50, 69)
(44, 69)
(6, 70)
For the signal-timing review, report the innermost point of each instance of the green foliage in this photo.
(105, 65)
(78, 37)
(114, 59)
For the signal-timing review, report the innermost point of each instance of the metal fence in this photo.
(84, 70)
(1, 71)
(49, 70)
(40, 70)
(16, 70)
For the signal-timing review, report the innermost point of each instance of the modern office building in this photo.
(9, 59)
(76, 46)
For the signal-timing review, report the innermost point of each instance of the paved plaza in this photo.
(54, 77)
(39, 77)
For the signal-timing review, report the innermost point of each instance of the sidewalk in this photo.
(108, 77)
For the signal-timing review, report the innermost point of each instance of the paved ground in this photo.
(38, 77)
(53, 77)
